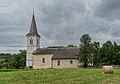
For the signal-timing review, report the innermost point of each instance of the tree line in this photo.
(93, 53)
(13, 61)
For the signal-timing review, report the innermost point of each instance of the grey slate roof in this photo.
(59, 53)
(33, 28)
(44, 51)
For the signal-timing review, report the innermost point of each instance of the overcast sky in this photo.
(59, 22)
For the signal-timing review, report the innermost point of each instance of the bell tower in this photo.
(33, 41)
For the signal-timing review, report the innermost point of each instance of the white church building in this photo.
(39, 58)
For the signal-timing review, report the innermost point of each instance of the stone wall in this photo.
(116, 66)
(65, 63)
(38, 61)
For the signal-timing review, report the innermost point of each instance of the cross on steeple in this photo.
(33, 11)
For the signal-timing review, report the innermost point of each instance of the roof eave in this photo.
(32, 35)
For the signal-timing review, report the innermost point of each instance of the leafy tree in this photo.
(110, 53)
(17, 61)
(71, 45)
(117, 58)
(96, 49)
(107, 53)
(85, 50)
(4, 59)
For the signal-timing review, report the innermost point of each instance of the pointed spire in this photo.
(33, 28)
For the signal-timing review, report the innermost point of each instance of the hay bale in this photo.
(107, 69)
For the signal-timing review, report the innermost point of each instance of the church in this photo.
(41, 58)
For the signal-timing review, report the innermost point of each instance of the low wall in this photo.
(116, 66)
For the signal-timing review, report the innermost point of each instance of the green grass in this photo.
(59, 76)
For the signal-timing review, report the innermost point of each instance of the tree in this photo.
(22, 54)
(18, 61)
(96, 49)
(106, 53)
(71, 45)
(110, 53)
(85, 50)
(117, 58)
(4, 59)
(117, 54)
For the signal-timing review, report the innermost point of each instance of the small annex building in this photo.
(40, 58)
(55, 58)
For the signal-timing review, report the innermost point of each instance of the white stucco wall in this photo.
(65, 63)
(31, 49)
(37, 61)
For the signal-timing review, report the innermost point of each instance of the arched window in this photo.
(43, 60)
(31, 41)
(37, 41)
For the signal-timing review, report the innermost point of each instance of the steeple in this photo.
(33, 27)
(33, 41)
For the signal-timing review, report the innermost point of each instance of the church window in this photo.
(71, 61)
(43, 60)
(31, 41)
(58, 62)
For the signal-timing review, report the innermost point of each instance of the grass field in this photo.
(59, 76)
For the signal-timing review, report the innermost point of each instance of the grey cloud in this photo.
(59, 22)
(60, 16)
(12, 40)
(108, 9)
(115, 32)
